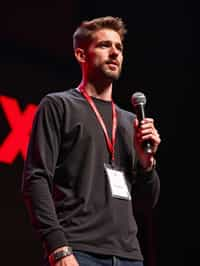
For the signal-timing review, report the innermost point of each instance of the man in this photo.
(85, 164)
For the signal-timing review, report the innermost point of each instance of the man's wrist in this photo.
(150, 167)
(60, 253)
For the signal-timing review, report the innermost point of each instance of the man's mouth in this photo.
(113, 62)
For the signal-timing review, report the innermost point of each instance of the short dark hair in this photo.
(83, 34)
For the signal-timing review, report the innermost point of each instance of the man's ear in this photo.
(80, 55)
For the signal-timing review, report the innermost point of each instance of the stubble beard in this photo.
(104, 73)
(111, 74)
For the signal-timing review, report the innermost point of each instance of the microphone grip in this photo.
(140, 112)
(140, 116)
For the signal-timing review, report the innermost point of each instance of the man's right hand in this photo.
(69, 260)
(66, 261)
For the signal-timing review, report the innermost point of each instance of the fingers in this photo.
(66, 261)
(145, 123)
(145, 130)
(135, 123)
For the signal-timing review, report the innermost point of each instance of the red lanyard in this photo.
(110, 143)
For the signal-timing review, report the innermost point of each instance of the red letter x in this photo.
(20, 124)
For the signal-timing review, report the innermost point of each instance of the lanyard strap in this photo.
(110, 143)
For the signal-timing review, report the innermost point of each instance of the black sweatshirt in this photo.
(64, 183)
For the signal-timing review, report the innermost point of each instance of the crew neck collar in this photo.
(95, 98)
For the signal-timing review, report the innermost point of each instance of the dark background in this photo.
(36, 58)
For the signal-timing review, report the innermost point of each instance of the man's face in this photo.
(104, 55)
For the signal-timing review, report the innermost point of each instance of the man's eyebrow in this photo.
(109, 41)
(99, 41)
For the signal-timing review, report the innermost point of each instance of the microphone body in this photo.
(138, 101)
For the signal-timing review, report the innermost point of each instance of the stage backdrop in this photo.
(36, 58)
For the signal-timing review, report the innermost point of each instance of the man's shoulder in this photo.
(59, 97)
(64, 94)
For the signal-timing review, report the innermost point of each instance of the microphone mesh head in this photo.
(138, 98)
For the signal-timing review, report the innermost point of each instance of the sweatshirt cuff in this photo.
(55, 240)
(146, 175)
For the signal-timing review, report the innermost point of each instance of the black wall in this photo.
(36, 57)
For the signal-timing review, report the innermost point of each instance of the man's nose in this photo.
(114, 51)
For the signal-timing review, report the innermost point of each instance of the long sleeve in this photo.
(65, 186)
(146, 189)
(145, 185)
(38, 174)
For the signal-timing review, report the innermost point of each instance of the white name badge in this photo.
(117, 181)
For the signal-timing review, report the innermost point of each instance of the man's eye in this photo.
(104, 45)
(120, 48)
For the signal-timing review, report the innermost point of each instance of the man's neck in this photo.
(103, 93)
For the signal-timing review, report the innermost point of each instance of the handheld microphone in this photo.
(138, 101)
